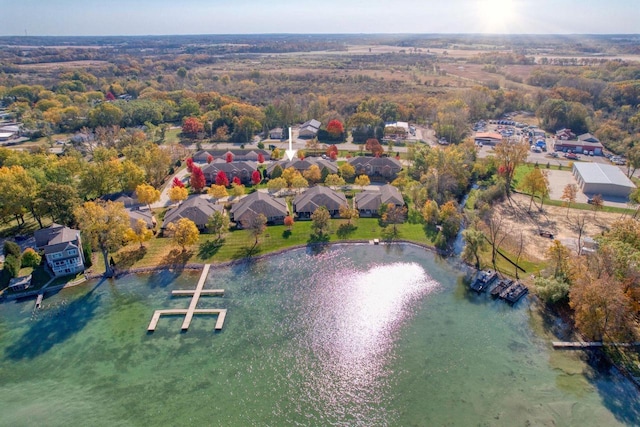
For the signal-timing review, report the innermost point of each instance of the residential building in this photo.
(274, 209)
(62, 248)
(309, 129)
(304, 164)
(376, 168)
(236, 155)
(196, 208)
(369, 201)
(305, 204)
(277, 133)
(241, 170)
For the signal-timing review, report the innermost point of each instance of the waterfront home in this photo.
(369, 201)
(196, 208)
(62, 248)
(273, 208)
(20, 283)
(305, 204)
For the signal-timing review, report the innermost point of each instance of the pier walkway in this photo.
(191, 310)
(591, 344)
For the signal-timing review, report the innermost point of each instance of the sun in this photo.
(498, 16)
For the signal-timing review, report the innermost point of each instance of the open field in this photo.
(45, 66)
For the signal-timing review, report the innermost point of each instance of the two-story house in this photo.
(62, 249)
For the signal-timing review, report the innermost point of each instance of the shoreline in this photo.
(199, 266)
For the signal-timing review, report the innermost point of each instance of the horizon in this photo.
(91, 18)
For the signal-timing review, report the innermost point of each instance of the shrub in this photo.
(261, 145)
(86, 251)
(12, 265)
(30, 258)
(415, 217)
(11, 248)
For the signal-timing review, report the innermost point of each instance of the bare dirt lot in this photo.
(518, 219)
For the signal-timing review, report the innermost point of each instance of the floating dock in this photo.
(483, 280)
(501, 286)
(189, 312)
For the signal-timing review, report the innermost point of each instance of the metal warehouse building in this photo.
(606, 180)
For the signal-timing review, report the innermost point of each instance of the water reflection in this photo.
(353, 318)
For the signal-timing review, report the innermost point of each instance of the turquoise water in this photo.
(352, 336)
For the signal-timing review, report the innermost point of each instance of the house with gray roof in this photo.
(273, 208)
(236, 155)
(376, 168)
(128, 199)
(242, 170)
(304, 164)
(196, 208)
(309, 129)
(305, 204)
(369, 201)
(146, 216)
(62, 248)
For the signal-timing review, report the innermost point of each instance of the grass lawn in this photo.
(505, 267)
(239, 244)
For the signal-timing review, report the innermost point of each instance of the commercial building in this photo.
(607, 180)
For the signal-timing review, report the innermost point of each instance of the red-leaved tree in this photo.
(333, 155)
(190, 164)
(332, 149)
(177, 182)
(197, 180)
(237, 181)
(288, 221)
(229, 157)
(256, 177)
(110, 97)
(374, 146)
(191, 127)
(209, 158)
(221, 179)
(260, 158)
(335, 128)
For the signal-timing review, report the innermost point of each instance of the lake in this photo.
(353, 335)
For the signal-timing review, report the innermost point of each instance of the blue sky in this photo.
(140, 17)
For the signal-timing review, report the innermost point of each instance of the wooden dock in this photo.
(591, 344)
(39, 301)
(191, 310)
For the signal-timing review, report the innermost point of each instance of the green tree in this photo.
(105, 114)
(474, 243)
(218, 223)
(31, 258)
(103, 224)
(320, 221)
(552, 290)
